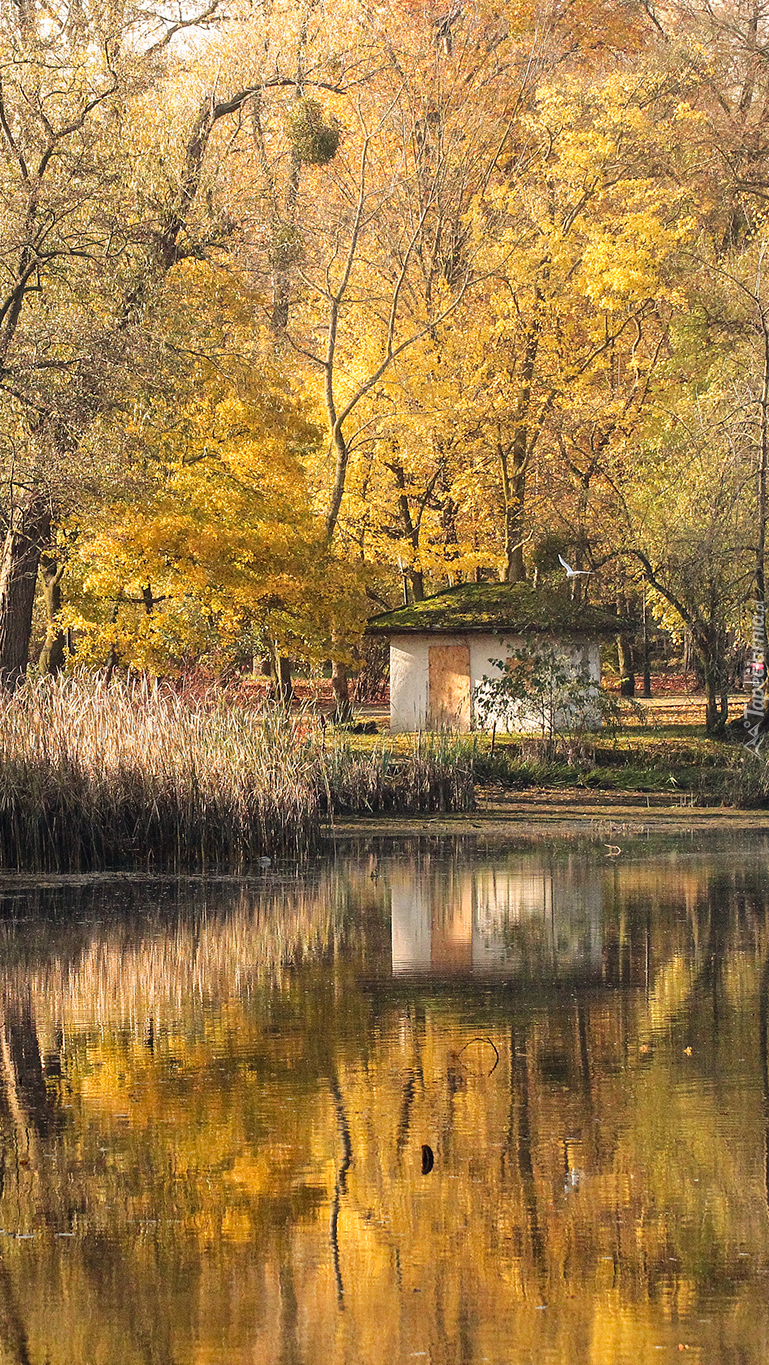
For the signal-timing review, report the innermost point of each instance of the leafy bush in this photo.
(541, 689)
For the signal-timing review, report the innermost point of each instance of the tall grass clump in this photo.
(746, 781)
(435, 773)
(96, 776)
(93, 776)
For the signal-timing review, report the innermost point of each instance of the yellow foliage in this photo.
(220, 546)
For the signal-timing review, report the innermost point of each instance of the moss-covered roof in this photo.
(516, 608)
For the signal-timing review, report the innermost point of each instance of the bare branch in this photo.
(171, 33)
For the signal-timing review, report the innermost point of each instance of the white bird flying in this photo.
(572, 573)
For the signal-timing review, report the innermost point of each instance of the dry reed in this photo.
(95, 776)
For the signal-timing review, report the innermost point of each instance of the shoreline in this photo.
(543, 812)
(518, 819)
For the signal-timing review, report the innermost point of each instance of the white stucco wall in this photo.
(409, 682)
(410, 671)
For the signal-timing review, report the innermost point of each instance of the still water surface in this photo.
(439, 1102)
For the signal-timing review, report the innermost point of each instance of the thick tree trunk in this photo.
(514, 459)
(53, 654)
(284, 687)
(710, 655)
(417, 584)
(278, 669)
(27, 534)
(716, 705)
(626, 666)
(340, 684)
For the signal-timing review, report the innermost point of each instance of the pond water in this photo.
(442, 1102)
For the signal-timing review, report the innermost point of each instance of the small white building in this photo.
(442, 649)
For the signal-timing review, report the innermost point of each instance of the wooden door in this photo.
(449, 667)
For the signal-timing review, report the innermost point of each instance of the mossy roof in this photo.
(515, 609)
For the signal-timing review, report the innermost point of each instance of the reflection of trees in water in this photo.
(251, 1101)
(139, 996)
(28, 1115)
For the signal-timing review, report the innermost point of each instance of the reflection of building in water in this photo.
(521, 917)
(432, 921)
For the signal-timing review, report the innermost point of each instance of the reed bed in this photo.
(434, 774)
(746, 780)
(95, 776)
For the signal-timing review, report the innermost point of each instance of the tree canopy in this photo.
(302, 305)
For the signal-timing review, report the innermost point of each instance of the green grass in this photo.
(637, 758)
(676, 758)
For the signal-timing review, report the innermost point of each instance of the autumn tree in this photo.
(466, 233)
(211, 546)
(367, 247)
(67, 81)
(99, 220)
(494, 432)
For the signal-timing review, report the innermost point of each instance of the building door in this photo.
(449, 686)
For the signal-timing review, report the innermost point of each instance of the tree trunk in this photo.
(709, 652)
(114, 658)
(340, 684)
(340, 471)
(759, 650)
(514, 472)
(514, 493)
(28, 532)
(417, 584)
(645, 655)
(450, 534)
(284, 687)
(278, 670)
(53, 654)
(282, 274)
(625, 656)
(716, 705)
(412, 575)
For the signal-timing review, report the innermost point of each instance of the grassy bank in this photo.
(670, 759)
(637, 758)
(94, 777)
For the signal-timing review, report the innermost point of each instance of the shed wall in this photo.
(410, 704)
